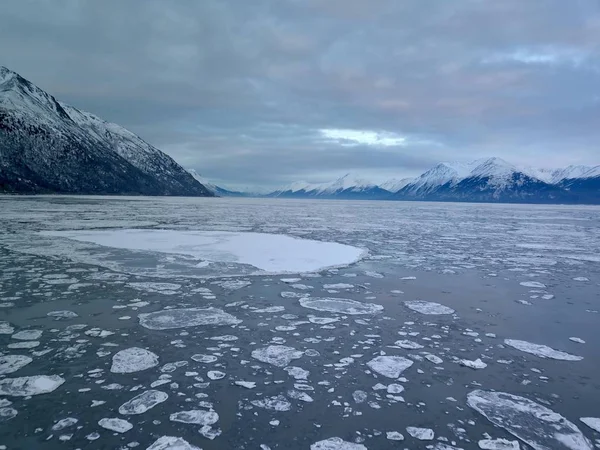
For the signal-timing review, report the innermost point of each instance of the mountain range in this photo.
(47, 146)
(483, 180)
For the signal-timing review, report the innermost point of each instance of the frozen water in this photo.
(187, 317)
(298, 373)
(63, 314)
(302, 396)
(27, 335)
(477, 364)
(338, 286)
(246, 384)
(7, 413)
(6, 328)
(424, 307)
(267, 252)
(277, 403)
(115, 424)
(12, 363)
(533, 284)
(336, 443)
(206, 359)
(196, 417)
(172, 443)
(34, 385)
(389, 366)
(578, 340)
(422, 434)
(498, 444)
(64, 423)
(132, 360)
(143, 402)
(592, 422)
(277, 355)
(542, 351)
(340, 305)
(215, 374)
(409, 345)
(433, 358)
(538, 426)
(24, 344)
(394, 436)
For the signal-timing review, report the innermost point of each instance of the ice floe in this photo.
(6, 328)
(62, 314)
(592, 422)
(537, 425)
(389, 366)
(267, 252)
(409, 345)
(172, 443)
(338, 286)
(115, 424)
(64, 423)
(143, 402)
(196, 417)
(336, 443)
(340, 305)
(12, 363)
(422, 434)
(277, 355)
(187, 317)
(578, 340)
(477, 364)
(276, 403)
(533, 284)
(430, 308)
(394, 436)
(33, 385)
(542, 351)
(246, 384)
(132, 360)
(27, 335)
(498, 444)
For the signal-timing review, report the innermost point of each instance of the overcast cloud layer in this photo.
(266, 92)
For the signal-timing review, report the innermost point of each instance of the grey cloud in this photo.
(238, 90)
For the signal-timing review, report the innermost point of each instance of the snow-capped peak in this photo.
(492, 167)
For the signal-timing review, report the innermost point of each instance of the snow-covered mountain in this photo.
(48, 146)
(216, 190)
(348, 187)
(496, 180)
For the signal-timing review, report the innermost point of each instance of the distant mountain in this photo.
(484, 180)
(348, 187)
(216, 190)
(49, 147)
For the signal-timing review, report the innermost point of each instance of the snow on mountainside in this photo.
(395, 184)
(47, 146)
(349, 186)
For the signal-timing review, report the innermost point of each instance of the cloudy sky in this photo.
(266, 92)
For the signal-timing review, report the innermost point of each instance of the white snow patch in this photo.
(268, 252)
(542, 351)
(538, 426)
(186, 317)
(389, 366)
(132, 360)
(592, 422)
(430, 308)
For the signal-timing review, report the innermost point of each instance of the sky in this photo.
(263, 93)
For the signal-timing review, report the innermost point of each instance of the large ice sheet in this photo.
(538, 426)
(268, 252)
(543, 351)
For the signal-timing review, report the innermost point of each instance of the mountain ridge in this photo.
(50, 147)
